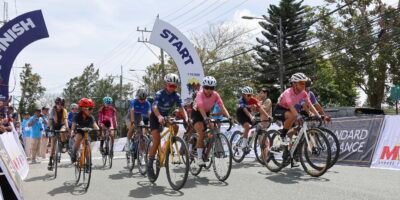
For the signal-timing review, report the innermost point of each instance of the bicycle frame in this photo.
(162, 154)
(84, 142)
(302, 132)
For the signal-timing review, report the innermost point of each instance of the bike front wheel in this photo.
(141, 154)
(236, 144)
(177, 163)
(222, 157)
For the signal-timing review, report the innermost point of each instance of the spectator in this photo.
(11, 114)
(36, 122)
(45, 139)
(26, 133)
(3, 108)
(74, 109)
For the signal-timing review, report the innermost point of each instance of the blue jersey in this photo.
(165, 102)
(313, 100)
(140, 108)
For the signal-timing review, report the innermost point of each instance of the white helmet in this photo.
(171, 78)
(73, 105)
(141, 93)
(209, 81)
(247, 90)
(298, 77)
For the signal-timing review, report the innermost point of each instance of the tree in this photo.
(31, 88)
(363, 43)
(284, 24)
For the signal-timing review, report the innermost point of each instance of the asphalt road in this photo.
(248, 180)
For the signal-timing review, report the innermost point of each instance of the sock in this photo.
(199, 153)
(101, 143)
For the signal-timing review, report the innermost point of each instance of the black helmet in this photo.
(60, 101)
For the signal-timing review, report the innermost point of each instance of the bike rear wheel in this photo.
(177, 163)
(236, 143)
(222, 157)
(315, 154)
(272, 158)
(141, 154)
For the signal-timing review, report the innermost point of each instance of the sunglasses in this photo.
(301, 83)
(248, 95)
(172, 86)
(208, 87)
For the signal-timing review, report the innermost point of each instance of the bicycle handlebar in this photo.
(259, 120)
(313, 118)
(87, 129)
(219, 121)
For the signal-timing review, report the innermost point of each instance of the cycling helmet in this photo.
(85, 102)
(247, 90)
(73, 105)
(171, 78)
(141, 93)
(209, 81)
(107, 100)
(59, 100)
(308, 82)
(297, 77)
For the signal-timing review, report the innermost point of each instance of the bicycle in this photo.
(83, 164)
(305, 143)
(58, 149)
(217, 145)
(137, 149)
(253, 141)
(173, 153)
(108, 153)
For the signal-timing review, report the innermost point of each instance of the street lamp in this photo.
(280, 41)
(136, 70)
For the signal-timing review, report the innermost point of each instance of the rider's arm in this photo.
(320, 109)
(73, 127)
(132, 115)
(202, 112)
(115, 121)
(262, 111)
(95, 126)
(182, 110)
(156, 111)
(225, 111)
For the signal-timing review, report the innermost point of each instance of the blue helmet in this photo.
(107, 100)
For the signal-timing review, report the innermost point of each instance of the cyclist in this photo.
(58, 121)
(140, 110)
(74, 109)
(300, 106)
(107, 116)
(247, 104)
(164, 101)
(285, 109)
(83, 119)
(204, 102)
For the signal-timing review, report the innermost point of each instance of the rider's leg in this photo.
(101, 141)
(246, 129)
(199, 127)
(290, 118)
(156, 142)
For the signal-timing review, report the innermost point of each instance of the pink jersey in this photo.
(289, 98)
(207, 103)
(108, 114)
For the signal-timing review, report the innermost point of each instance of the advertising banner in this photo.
(357, 137)
(15, 35)
(167, 37)
(16, 155)
(387, 153)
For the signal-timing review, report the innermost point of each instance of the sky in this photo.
(104, 32)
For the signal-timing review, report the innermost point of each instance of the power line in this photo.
(190, 10)
(197, 14)
(206, 13)
(179, 9)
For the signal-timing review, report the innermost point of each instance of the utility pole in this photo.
(281, 66)
(144, 40)
(5, 13)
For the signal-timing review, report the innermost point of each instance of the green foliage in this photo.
(31, 88)
(292, 15)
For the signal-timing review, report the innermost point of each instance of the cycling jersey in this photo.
(142, 108)
(290, 98)
(313, 100)
(165, 101)
(71, 116)
(83, 122)
(108, 114)
(207, 103)
(58, 117)
(246, 104)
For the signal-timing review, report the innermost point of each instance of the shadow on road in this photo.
(292, 176)
(46, 177)
(149, 189)
(125, 174)
(244, 164)
(68, 187)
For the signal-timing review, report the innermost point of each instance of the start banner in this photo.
(357, 137)
(169, 38)
(387, 153)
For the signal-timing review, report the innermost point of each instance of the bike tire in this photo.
(78, 169)
(322, 145)
(271, 160)
(236, 143)
(257, 145)
(222, 150)
(335, 144)
(110, 152)
(144, 140)
(56, 157)
(178, 149)
(87, 164)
